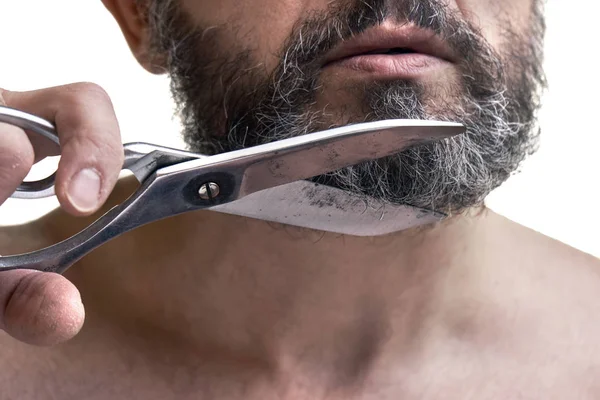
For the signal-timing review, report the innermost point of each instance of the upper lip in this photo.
(387, 37)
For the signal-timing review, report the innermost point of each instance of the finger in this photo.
(16, 158)
(39, 308)
(91, 148)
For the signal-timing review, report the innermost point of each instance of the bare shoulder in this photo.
(553, 287)
(537, 308)
(534, 247)
(559, 274)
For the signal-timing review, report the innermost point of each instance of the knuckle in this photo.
(84, 92)
(77, 100)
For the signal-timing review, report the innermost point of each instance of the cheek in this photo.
(492, 17)
(259, 25)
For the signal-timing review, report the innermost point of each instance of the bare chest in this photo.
(459, 376)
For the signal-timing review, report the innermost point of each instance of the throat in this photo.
(283, 299)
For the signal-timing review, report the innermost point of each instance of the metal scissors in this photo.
(175, 181)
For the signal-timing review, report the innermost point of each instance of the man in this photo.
(210, 306)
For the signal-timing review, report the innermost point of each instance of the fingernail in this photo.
(84, 190)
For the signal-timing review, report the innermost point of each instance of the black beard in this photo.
(226, 103)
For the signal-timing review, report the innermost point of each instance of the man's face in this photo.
(246, 72)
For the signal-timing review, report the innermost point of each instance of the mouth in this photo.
(391, 50)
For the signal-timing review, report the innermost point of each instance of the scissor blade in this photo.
(270, 165)
(340, 148)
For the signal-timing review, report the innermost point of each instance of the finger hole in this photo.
(43, 146)
(40, 180)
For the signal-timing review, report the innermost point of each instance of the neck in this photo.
(282, 297)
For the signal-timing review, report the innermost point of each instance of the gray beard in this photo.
(227, 103)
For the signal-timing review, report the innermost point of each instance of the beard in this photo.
(228, 101)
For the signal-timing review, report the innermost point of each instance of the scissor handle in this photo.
(160, 196)
(140, 158)
(59, 257)
(31, 123)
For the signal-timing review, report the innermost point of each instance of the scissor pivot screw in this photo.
(209, 191)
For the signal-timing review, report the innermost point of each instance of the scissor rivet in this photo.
(209, 191)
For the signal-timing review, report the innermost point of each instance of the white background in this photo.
(45, 43)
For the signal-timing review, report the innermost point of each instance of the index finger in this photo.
(91, 148)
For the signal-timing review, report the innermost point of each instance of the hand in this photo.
(43, 308)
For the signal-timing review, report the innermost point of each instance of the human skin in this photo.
(232, 308)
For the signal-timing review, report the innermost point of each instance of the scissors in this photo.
(174, 181)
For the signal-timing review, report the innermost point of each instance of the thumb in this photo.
(39, 308)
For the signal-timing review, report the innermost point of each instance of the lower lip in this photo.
(391, 66)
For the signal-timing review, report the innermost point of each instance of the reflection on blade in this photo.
(349, 147)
